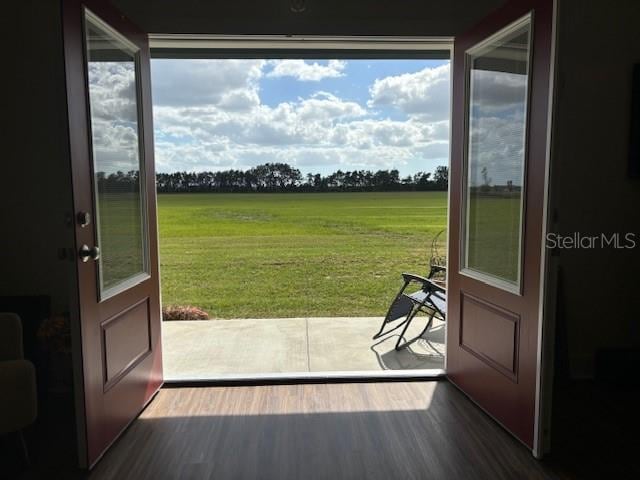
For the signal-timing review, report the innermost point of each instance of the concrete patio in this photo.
(210, 349)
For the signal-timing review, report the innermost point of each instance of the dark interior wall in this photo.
(36, 238)
(35, 194)
(321, 17)
(591, 192)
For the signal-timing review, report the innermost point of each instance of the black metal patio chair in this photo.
(430, 298)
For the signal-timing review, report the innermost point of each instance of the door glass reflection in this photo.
(497, 109)
(118, 170)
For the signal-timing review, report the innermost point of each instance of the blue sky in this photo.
(354, 85)
(319, 116)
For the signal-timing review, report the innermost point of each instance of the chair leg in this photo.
(384, 322)
(408, 321)
(382, 332)
(426, 329)
(409, 342)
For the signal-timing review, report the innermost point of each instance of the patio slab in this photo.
(343, 344)
(226, 348)
(199, 349)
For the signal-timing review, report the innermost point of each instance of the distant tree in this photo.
(422, 180)
(280, 177)
(486, 180)
(441, 177)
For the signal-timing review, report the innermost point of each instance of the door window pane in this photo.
(118, 169)
(498, 72)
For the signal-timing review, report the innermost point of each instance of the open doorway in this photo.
(293, 191)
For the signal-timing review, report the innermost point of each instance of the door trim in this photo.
(165, 41)
(546, 336)
(212, 46)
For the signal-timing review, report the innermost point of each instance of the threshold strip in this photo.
(309, 377)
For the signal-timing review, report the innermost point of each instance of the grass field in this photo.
(494, 236)
(294, 255)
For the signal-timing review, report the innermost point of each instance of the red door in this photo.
(500, 115)
(109, 102)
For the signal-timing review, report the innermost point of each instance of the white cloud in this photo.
(231, 83)
(424, 93)
(197, 156)
(497, 126)
(323, 106)
(498, 92)
(305, 133)
(497, 144)
(305, 121)
(305, 71)
(230, 127)
(112, 93)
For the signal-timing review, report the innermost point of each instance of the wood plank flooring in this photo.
(408, 430)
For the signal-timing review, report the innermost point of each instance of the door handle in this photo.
(87, 253)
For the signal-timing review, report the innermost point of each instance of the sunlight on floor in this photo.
(300, 399)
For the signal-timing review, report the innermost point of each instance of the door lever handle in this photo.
(87, 253)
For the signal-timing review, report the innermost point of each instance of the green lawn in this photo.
(291, 255)
(121, 240)
(494, 236)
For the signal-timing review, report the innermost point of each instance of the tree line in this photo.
(281, 177)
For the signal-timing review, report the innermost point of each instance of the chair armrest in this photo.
(18, 402)
(10, 337)
(426, 283)
(438, 268)
(412, 277)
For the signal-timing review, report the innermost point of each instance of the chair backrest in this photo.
(10, 337)
(437, 261)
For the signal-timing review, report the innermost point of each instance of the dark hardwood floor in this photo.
(412, 430)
